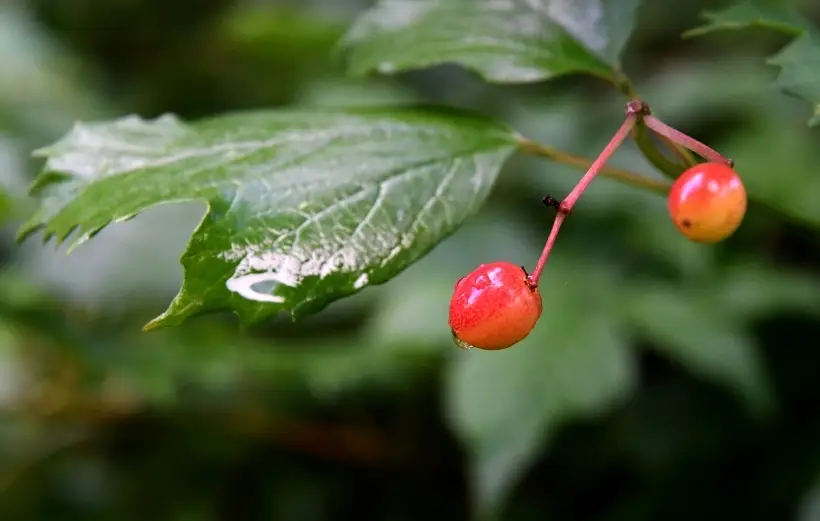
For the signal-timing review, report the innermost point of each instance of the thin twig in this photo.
(624, 176)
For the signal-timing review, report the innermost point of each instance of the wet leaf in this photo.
(305, 206)
(504, 41)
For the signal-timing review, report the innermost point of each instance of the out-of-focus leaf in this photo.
(176, 367)
(305, 207)
(752, 290)
(809, 508)
(694, 331)
(342, 92)
(275, 51)
(118, 272)
(42, 86)
(697, 89)
(504, 405)
(6, 206)
(17, 291)
(799, 62)
(267, 27)
(778, 163)
(504, 41)
(751, 14)
(15, 377)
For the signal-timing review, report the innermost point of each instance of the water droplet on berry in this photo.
(461, 344)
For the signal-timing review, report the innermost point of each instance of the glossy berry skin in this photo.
(707, 202)
(494, 307)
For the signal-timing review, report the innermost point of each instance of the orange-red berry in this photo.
(707, 202)
(494, 307)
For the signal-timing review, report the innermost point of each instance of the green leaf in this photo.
(304, 206)
(693, 331)
(772, 144)
(751, 14)
(6, 207)
(799, 62)
(504, 41)
(754, 290)
(504, 405)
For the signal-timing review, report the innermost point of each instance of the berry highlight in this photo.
(494, 307)
(707, 202)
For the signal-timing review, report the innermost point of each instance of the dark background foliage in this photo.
(666, 380)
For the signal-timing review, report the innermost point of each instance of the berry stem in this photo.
(689, 142)
(624, 176)
(681, 152)
(560, 216)
(623, 132)
(649, 149)
(566, 206)
(624, 84)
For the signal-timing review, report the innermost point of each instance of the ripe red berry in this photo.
(707, 202)
(494, 307)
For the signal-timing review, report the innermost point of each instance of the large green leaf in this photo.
(505, 41)
(305, 206)
(799, 62)
(505, 405)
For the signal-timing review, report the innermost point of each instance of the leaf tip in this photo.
(697, 31)
(153, 325)
(170, 317)
(29, 227)
(25, 232)
(44, 180)
(167, 319)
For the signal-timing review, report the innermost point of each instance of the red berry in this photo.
(707, 202)
(494, 307)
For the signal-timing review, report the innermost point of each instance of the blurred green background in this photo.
(666, 380)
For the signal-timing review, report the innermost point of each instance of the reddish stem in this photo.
(569, 201)
(542, 261)
(689, 142)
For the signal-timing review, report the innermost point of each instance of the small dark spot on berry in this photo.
(459, 281)
(686, 223)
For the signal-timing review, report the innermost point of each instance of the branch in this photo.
(625, 176)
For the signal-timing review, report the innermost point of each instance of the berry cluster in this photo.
(498, 304)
